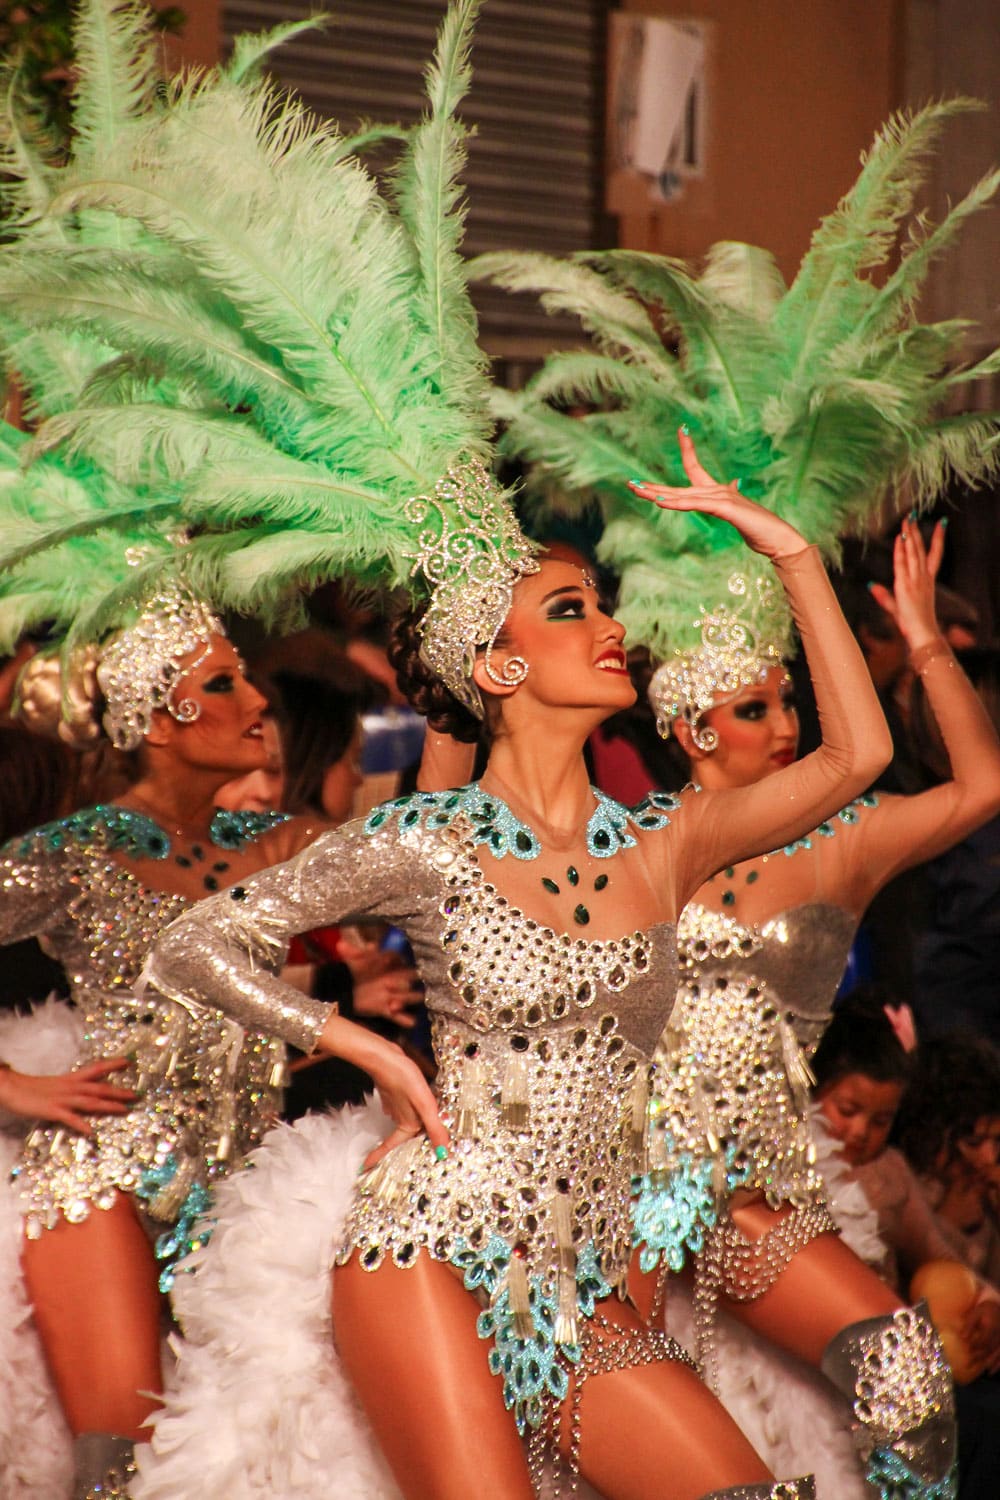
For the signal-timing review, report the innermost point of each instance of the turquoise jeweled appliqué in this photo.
(893, 1479)
(536, 1369)
(847, 816)
(192, 1229)
(133, 832)
(672, 1207)
(496, 827)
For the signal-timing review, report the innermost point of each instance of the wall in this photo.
(796, 90)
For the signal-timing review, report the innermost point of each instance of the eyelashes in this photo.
(223, 682)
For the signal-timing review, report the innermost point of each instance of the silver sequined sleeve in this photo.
(34, 892)
(226, 951)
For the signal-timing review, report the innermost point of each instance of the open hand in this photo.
(403, 1091)
(759, 527)
(982, 1331)
(914, 569)
(390, 996)
(67, 1098)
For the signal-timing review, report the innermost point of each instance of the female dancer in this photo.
(763, 946)
(542, 918)
(821, 395)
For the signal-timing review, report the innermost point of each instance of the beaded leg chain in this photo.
(743, 1269)
(103, 1466)
(894, 1373)
(604, 1348)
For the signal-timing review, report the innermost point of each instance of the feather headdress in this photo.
(822, 397)
(334, 417)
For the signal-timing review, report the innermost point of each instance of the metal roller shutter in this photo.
(534, 176)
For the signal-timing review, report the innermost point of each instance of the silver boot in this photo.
(103, 1466)
(894, 1373)
(775, 1489)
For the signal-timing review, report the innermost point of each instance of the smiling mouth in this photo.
(613, 661)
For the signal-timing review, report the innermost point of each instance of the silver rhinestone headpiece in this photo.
(471, 552)
(739, 644)
(140, 667)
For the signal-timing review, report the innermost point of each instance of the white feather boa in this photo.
(35, 1452)
(258, 1406)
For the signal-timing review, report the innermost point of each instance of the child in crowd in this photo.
(937, 1202)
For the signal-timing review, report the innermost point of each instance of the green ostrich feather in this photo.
(824, 397)
(291, 351)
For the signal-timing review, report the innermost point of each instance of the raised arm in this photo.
(905, 831)
(733, 824)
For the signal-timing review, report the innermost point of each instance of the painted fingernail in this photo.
(441, 1152)
(944, 522)
(913, 514)
(685, 429)
(739, 485)
(870, 586)
(638, 482)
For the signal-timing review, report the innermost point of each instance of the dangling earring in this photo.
(513, 671)
(704, 736)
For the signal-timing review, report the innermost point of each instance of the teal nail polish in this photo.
(944, 522)
(870, 586)
(639, 481)
(913, 514)
(441, 1152)
(685, 429)
(739, 485)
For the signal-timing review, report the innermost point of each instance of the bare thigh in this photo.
(823, 1289)
(93, 1287)
(655, 1432)
(408, 1341)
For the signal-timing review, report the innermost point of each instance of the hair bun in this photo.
(59, 706)
(422, 688)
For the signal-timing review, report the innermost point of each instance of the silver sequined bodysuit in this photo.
(209, 1087)
(731, 1082)
(751, 1007)
(543, 1043)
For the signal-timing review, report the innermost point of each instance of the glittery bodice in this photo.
(542, 1042)
(542, 1039)
(208, 1087)
(731, 1069)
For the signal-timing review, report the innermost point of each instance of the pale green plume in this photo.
(293, 352)
(822, 398)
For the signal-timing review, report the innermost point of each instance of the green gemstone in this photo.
(572, 875)
(728, 898)
(729, 872)
(581, 916)
(550, 885)
(377, 819)
(752, 875)
(600, 882)
(602, 839)
(522, 841)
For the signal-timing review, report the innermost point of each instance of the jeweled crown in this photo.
(141, 667)
(738, 644)
(471, 552)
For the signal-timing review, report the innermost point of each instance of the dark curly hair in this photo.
(422, 687)
(957, 1082)
(860, 1039)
